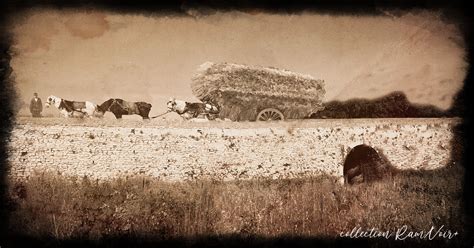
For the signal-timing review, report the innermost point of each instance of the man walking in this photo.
(36, 106)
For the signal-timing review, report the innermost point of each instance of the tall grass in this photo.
(54, 206)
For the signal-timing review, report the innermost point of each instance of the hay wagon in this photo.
(250, 93)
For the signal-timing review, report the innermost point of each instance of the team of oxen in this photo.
(120, 107)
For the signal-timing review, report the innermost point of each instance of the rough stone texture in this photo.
(173, 154)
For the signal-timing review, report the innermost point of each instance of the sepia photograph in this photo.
(228, 126)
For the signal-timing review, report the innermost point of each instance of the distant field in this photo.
(159, 122)
(181, 150)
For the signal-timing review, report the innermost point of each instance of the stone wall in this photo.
(221, 153)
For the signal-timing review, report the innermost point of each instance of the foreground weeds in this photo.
(54, 206)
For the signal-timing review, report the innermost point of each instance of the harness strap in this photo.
(116, 102)
(153, 117)
(70, 109)
(66, 106)
(108, 109)
(113, 102)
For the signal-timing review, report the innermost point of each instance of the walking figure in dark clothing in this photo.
(36, 106)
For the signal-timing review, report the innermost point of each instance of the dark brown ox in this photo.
(365, 164)
(119, 107)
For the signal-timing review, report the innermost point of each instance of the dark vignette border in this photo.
(456, 12)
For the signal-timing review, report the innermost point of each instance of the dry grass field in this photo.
(51, 206)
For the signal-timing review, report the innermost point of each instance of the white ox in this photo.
(73, 108)
(189, 110)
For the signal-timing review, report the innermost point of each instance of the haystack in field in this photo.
(242, 92)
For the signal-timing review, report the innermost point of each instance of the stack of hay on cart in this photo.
(242, 92)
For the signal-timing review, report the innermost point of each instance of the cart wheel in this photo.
(270, 114)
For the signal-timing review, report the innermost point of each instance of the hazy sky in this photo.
(90, 55)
